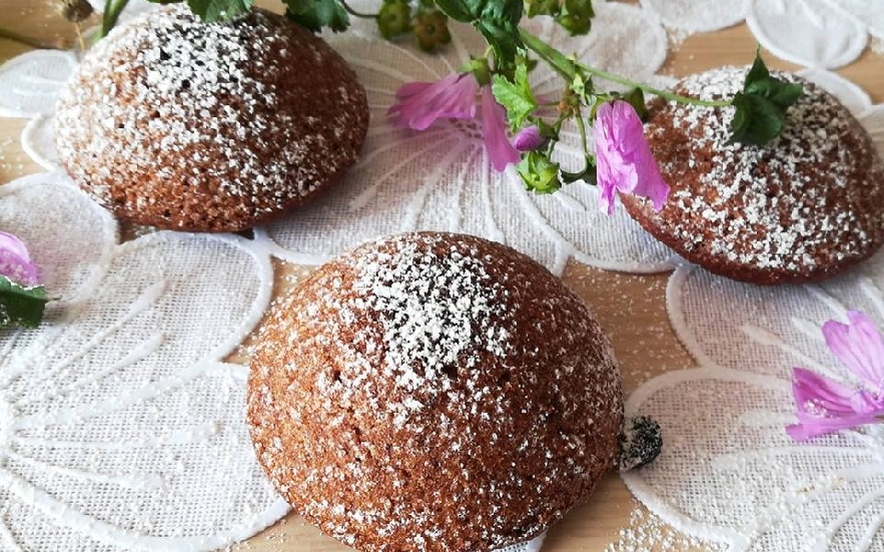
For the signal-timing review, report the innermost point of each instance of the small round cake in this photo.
(802, 208)
(214, 127)
(434, 392)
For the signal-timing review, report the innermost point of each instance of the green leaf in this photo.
(756, 120)
(219, 10)
(496, 20)
(543, 7)
(538, 173)
(21, 306)
(636, 98)
(316, 14)
(515, 96)
(757, 73)
(760, 114)
(459, 10)
(588, 174)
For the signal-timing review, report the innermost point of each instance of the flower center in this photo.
(468, 128)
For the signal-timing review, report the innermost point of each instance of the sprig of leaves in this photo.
(21, 306)
(761, 106)
(497, 21)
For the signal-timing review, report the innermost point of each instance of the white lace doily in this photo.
(120, 426)
(813, 33)
(728, 471)
(136, 359)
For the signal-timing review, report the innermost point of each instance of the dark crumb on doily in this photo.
(640, 443)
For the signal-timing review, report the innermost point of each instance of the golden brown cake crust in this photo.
(803, 208)
(214, 127)
(433, 392)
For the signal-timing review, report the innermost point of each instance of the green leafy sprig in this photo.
(759, 108)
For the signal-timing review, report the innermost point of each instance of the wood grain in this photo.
(630, 307)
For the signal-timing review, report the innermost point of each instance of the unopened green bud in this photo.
(394, 19)
(431, 30)
(538, 173)
(576, 16)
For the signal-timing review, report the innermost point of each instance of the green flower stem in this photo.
(355, 13)
(112, 10)
(28, 41)
(566, 68)
(582, 126)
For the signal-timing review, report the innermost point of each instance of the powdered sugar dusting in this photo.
(213, 111)
(403, 398)
(803, 204)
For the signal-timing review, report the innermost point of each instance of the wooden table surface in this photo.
(630, 307)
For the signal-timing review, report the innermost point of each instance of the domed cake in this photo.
(186, 125)
(433, 392)
(803, 207)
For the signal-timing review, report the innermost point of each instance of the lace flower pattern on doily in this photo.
(813, 33)
(120, 426)
(441, 179)
(728, 471)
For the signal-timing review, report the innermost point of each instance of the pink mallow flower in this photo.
(825, 405)
(15, 262)
(457, 96)
(624, 162)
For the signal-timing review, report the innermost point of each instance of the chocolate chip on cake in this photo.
(802, 208)
(186, 125)
(434, 392)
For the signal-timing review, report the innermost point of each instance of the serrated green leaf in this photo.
(496, 20)
(459, 10)
(219, 10)
(316, 14)
(756, 120)
(21, 306)
(758, 71)
(515, 96)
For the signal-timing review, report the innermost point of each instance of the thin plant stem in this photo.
(355, 13)
(567, 68)
(112, 10)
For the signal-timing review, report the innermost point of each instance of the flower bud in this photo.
(394, 19)
(538, 173)
(431, 30)
(528, 139)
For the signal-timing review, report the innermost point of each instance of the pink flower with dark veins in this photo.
(457, 96)
(825, 405)
(15, 262)
(624, 162)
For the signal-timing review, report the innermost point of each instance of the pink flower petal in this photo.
(15, 262)
(859, 346)
(420, 104)
(500, 151)
(624, 162)
(825, 405)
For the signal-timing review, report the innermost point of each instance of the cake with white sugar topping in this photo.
(802, 208)
(434, 392)
(186, 125)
